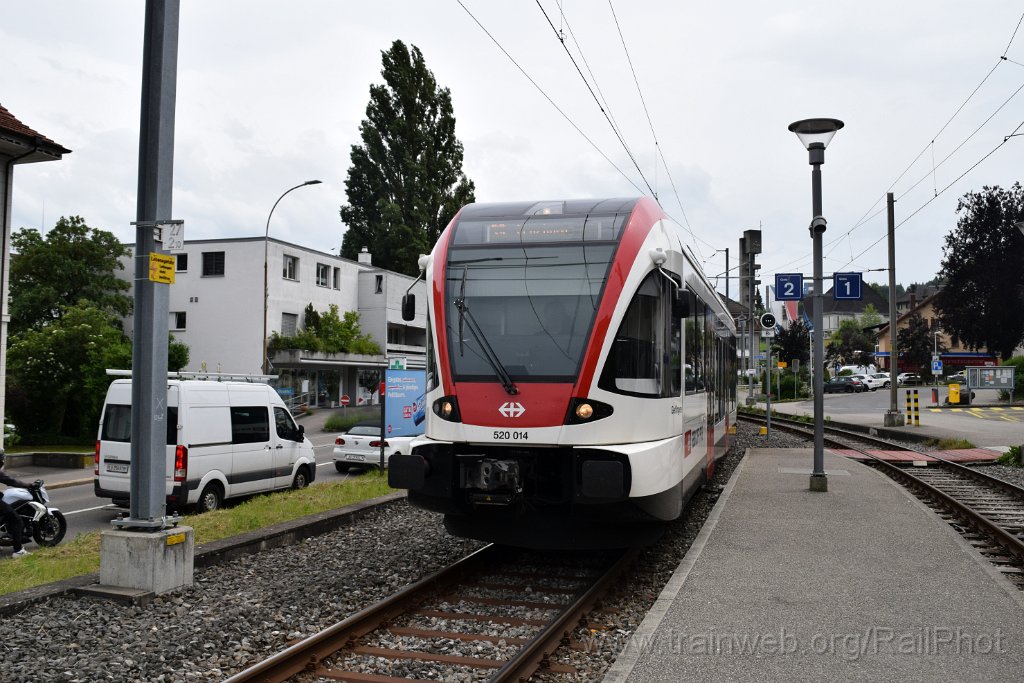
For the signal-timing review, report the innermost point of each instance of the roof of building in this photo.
(21, 142)
(834, 306)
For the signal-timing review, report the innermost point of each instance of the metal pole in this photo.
(149, 348)
(750, 289)
(768, 393)
(727, 272)
(819, 481)
(893, 418)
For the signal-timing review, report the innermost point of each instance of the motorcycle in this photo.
(45, 524)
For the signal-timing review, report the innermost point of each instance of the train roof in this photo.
(553, 207)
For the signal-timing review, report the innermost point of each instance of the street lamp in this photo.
(266, 284)
(815, 134)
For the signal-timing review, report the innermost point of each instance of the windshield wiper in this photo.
(489, 354)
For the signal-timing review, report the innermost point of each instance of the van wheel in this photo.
(210, 499)
(301, 480)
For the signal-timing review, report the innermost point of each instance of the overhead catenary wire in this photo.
(940, 192)
(930, 145)
(615, 129)
(647, 113)
(548, 97)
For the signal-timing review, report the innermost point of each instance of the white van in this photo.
(224, 439)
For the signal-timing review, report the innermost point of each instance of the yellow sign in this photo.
(175, 539)
(161, 268)
(783, 364)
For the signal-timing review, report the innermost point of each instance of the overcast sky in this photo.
(270, 94)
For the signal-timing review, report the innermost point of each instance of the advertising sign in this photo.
(404, 402)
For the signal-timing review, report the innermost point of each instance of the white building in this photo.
(216, 307)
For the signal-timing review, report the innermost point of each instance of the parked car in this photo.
(957, 378)
(870, 381)
(358, 449)
(884, 378)
(844, 384)
(908, 379)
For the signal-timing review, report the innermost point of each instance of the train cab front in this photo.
(486, 491)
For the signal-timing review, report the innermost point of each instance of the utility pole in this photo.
(893, 417)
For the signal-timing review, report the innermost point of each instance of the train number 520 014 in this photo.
(504, 435)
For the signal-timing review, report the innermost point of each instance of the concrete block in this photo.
(157, 561)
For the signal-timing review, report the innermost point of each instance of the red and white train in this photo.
(581, 374)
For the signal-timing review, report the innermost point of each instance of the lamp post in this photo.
(815, 134)
(266, 283)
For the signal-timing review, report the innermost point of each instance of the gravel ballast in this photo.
(245, 610)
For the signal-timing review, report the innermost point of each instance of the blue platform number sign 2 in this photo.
(847, 286)
(789, 286)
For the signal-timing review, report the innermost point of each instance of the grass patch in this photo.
(949, 444)
(82, 554)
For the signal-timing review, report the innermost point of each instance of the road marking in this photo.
(98, 507)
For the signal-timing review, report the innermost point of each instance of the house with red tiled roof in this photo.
(19, 144)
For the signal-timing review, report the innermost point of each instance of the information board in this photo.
(404, 402)
(990, 377)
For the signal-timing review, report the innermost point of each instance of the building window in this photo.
(337, 278)
(178, 320)
(290, 271)
(213, 263)
(380, 284)
(181, 262)
(289, 323)
(323, 275)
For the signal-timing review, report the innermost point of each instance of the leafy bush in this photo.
(1012, 457)
(329, 333)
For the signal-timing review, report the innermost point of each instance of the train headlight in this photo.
(447, 408)
(584, 410)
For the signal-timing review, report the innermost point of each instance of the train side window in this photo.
(646, 345)
(694, 343)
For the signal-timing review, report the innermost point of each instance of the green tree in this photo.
(51, 274)
(870, 317)
(793, 343)
(406, 180)
(58, 372)
(983, 297)
(851, 344)
(914, 344)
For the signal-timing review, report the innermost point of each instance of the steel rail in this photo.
(529, 659)
(307, 653)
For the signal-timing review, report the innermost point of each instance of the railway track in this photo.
(495, 615)
(988, 511)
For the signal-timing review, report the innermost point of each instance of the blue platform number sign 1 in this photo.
(789, 286)
(847, 286)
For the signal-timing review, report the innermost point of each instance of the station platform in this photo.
(861, 582)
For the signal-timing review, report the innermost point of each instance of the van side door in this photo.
(289, 447)
(251, 461)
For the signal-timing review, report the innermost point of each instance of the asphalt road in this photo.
(986, 423)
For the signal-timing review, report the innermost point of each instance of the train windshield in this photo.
(529, 305)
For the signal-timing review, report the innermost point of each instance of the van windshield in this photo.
(117, 424)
